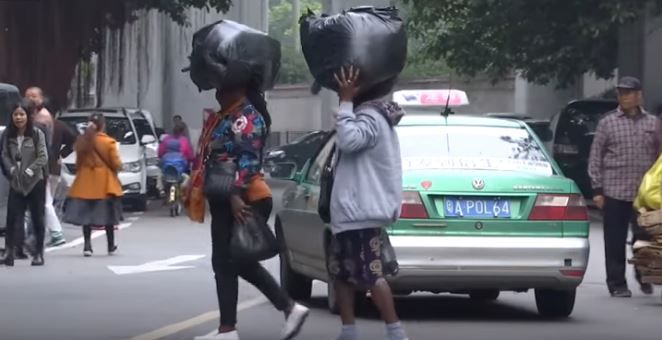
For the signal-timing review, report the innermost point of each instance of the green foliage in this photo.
(545, 40)
(175, 9)
(283, 25)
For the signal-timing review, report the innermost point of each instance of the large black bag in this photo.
(372, 39)
(252, 241)
(227, 54)
(219, 178)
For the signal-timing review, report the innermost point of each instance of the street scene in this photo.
(330, 169)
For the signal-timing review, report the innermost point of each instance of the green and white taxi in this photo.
(485, 209)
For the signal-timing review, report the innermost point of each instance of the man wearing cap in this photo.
(625, 146)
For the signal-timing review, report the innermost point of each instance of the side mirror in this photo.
(147, 139)
(285, 171)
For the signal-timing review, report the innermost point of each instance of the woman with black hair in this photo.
(95, 197)
(25, 156)
(238, 133)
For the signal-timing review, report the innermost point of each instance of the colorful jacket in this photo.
(240, 137)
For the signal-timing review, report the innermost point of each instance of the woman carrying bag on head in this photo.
(95, 196)
(25, 157)
(236, 137)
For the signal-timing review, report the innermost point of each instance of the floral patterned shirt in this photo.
(240, 137)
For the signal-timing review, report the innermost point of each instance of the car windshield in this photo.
(471, 148)
(143, 128)
(117, 127)
(586, 115)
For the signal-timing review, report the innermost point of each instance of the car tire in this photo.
(485, 295)
(555, 303)
(298, 286)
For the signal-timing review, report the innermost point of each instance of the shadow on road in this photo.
(446, 307)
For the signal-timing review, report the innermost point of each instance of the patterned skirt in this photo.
(355, 257)
(93, 212)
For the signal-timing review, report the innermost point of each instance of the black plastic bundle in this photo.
(372, 39)
(227, 54)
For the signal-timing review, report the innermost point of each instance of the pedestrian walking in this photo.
(25, 155)
(365, 198)
(62, 146)
(96, 193)
(177, 120)
(44, 119)
(625, 146)
(238, 133)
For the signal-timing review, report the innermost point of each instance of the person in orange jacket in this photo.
(95, 196)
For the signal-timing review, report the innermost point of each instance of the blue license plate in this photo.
(476, 207)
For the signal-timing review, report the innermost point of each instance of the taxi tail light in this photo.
(551, 207)
(412, 206)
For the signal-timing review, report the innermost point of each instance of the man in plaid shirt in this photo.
(625, 146)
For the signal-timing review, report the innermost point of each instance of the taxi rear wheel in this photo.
(555, 303)
(297, 286)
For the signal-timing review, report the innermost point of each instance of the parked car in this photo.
(133, 175)
(298, 151)
(540, 126)
(573, 129)
(142, 120)
(485, 209)
(9, 94)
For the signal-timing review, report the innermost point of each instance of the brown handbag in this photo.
(195, 201)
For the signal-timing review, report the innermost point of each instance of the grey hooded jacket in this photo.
(367, 187)
(32, 155)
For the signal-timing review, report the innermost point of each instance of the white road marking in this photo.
(80, 240)
(156, 266)
(194, 321)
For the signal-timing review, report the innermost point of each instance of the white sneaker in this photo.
(215, 335)
(639, 244)
(294, 321)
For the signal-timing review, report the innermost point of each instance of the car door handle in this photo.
(307, 196)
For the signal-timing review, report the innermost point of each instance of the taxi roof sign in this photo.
(431, 98)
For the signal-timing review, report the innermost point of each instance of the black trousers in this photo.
(618, 216)
(227, 272)
(16, 207)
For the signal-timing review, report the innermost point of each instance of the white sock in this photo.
(348, 332)
(394, 331)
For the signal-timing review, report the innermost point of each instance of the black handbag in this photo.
(389, 259)
(252, 241)
(219, 178)
(326, 185)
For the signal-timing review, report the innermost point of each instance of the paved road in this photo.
(81, 298)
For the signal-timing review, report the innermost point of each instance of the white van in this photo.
(142, 120)
(133, 175)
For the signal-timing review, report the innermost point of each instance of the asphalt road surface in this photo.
(160, 286)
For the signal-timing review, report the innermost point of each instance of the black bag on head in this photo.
(228, 54)
(252, 241)
(372, 39)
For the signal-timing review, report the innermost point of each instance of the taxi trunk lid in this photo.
(480, 203)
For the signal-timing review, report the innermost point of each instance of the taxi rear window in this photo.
(472, 148)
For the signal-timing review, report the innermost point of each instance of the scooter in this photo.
(172, 181)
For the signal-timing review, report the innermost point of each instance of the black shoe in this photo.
(19, 254)
(646, 288)
(87, 251)
(621, 293)
(7, 260)
(112, 250)
(38, 260)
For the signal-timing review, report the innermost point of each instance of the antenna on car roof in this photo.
(447, 110)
